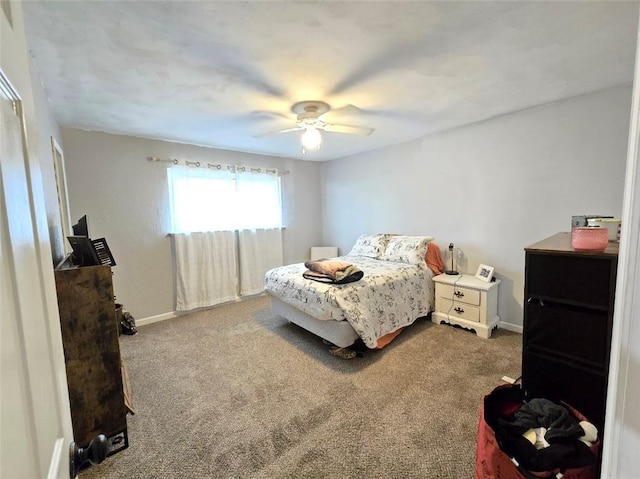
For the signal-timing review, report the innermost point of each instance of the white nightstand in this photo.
(468, 302)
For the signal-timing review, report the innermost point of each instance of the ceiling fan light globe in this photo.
(311, 139)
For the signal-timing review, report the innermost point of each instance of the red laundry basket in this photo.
(493, 463)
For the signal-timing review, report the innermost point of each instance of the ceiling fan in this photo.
(311, 120)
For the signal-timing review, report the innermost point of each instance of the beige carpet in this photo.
(237, 392)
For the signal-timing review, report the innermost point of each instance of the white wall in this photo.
(18, 66)
(491, 188)
(46, 128)
(125, 198)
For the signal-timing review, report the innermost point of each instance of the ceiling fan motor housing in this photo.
(309, 111)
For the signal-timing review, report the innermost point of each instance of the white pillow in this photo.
(407, 249)
(370, 245)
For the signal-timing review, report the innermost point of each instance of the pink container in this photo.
(590, 238)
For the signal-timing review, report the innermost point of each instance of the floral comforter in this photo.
(390, 295)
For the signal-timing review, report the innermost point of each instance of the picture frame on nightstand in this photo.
(485, 273)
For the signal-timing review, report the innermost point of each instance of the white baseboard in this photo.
(516, 328)
(174, 314)
(155, 319)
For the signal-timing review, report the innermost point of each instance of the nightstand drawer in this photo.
(456, 309)
(458, 293)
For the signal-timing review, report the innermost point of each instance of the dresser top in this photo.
(561, 243)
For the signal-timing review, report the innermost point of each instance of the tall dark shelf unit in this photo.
(568, 317)
(92, 354)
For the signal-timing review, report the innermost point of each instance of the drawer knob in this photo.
(458, 294)
(458, 310)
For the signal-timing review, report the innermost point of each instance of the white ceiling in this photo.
(206, 72)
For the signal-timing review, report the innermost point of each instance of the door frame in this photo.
(627, 302)
(46, 344)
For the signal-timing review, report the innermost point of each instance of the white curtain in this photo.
(206, 269)
(227, 231)
(260, 250)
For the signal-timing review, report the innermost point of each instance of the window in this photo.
(211, 199)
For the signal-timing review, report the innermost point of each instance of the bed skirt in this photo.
(339, 333)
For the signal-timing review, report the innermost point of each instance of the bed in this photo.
(395, 290)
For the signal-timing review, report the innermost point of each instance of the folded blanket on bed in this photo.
(332, 271)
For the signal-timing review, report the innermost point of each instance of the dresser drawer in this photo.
(579, 279)
(573, 332)
(457, 309)
(459, 294)
(544, 376)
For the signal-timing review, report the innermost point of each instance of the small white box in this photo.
(320, 252)
(612, 224)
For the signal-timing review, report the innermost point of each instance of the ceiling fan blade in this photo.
(347, 110)
(277, 132)
(349, 129)
(272, 114)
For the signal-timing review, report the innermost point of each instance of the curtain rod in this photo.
(197, 164)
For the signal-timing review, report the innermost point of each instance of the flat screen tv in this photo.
(81, 228)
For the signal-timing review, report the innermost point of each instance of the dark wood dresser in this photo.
(92, 354)
(568, 315)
